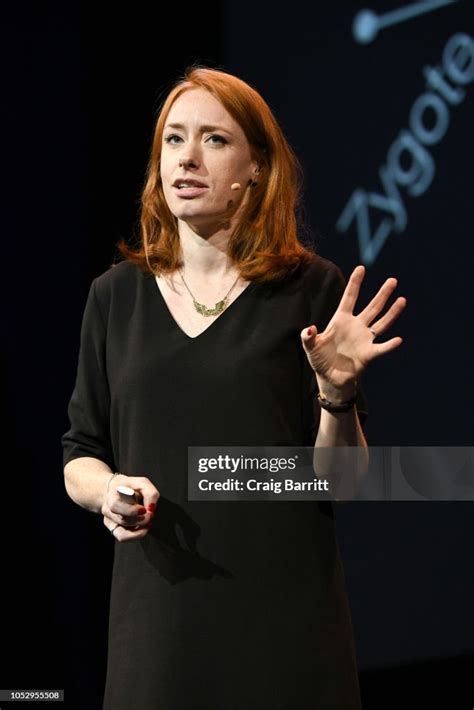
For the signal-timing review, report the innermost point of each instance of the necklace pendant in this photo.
(205, 311)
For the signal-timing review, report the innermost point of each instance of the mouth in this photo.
(188, 182)
(189, 188)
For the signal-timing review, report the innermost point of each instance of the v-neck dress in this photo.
(224, 605)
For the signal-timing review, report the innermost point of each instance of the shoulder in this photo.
(323, 286)
(119, 282)
(321, 272)
(124, 272)
(118, 277)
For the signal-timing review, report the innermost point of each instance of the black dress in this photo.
(227, 605)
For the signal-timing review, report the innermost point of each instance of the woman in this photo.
(220, 330)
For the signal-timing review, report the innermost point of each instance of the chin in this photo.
(193, 214)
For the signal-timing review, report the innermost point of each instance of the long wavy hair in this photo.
(264, 244)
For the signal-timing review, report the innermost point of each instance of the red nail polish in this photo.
(309, 331)
(141, 510)
(152, 507)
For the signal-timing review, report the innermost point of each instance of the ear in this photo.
(254, 174)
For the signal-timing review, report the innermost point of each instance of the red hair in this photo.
(264, 245)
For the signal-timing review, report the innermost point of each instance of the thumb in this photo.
(308, 335)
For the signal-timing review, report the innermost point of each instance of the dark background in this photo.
(83, 84)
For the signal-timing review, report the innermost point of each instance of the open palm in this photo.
(341, 352)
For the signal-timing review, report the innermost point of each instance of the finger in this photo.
(132, 520)
(122, 534)
(151, 498)
(111, 525)
(374, 307)
(147, 492)
(128, 522)
(390, 317)
(308, 334)
(127, 511)
(383, 348)
(351, 292)
(125, 504)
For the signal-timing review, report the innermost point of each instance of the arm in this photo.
(88, 455)
(338, 355)
(339, 429)
(86, 480)
(342, 429)
(92, 484)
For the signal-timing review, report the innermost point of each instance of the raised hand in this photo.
(341, 352)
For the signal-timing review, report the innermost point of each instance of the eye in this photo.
(219, 138)
(168, 139)
(216, 138)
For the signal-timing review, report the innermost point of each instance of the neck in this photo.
(205, 255)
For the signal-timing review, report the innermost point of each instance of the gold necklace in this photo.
(204, 310)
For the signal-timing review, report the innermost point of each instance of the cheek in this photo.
(165, 165)
(172, 201)
(228, 174)
(165, 177)
(167, 192)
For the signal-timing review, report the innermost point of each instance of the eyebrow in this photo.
(202, 128)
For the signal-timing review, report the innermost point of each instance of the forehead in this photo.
(197, 107)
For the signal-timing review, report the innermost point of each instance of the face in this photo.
(202, 143)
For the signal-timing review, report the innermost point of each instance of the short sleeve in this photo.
(89, 406)
(325, 295)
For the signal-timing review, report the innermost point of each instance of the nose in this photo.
(187, 162)
(189, 155)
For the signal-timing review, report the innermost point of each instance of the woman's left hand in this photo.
(340, 353)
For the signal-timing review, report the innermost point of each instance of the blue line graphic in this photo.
(367, 24)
